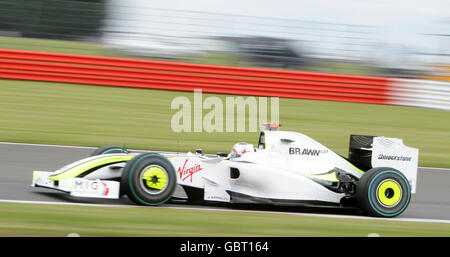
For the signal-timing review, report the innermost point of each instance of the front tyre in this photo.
(383, 192)
(107, 149)
(148, 179)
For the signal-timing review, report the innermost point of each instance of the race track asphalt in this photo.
(17, 161)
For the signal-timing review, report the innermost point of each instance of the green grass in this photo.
(69, 114)
(343, 68)
(47, 45)
(59, 221)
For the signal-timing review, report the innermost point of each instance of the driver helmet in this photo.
(241, 148)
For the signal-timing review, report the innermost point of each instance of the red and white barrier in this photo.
(124, 72)
(420, 93)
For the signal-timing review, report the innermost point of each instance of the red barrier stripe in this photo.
(188, 67)
(201, 80)
(96, 80)
(109, 71)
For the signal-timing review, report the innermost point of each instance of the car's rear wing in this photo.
(370, 151)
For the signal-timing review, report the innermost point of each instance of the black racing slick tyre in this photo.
(383, 192)
(107, 149)
(148, 179)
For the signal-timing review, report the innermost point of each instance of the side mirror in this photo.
(222, 154)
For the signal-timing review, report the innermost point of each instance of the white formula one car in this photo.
(286, 168)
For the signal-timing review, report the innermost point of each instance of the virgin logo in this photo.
(106, 191)
(185, 172)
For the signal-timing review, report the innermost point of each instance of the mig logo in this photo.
(91, 187)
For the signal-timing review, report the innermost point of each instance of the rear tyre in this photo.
(383, 192)
(107, 149)
(148, 179)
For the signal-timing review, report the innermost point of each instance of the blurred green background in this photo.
(70, 114)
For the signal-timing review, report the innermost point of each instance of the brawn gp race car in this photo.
(285, 168)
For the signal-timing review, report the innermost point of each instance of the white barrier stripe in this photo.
(420, 100)
(422, 105)
(401, 91)
(427, 87)
(422, 82)
(419, 93)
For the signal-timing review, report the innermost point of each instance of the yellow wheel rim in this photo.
(389, 193)
(155, 177)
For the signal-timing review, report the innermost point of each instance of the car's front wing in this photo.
(79, 187)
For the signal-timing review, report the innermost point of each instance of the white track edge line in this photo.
(230, 210)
